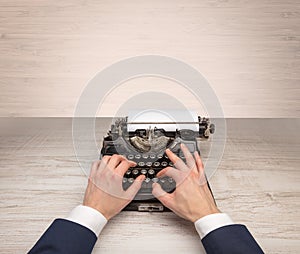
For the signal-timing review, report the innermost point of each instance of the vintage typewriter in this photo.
(146, 146)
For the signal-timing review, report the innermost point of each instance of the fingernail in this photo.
(141, 177)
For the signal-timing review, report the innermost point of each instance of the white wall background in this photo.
(248, 50)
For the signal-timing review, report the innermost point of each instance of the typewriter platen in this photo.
(146, 146)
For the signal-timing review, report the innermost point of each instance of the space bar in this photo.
(143, 196)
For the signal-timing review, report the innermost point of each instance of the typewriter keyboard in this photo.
(149, 165)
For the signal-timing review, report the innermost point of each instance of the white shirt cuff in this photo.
(88, 217)
(211, 222)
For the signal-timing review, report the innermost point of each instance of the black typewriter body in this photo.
(147, 148)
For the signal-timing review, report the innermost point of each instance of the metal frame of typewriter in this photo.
(147, 146)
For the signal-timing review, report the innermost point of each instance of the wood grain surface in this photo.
(249, 51)
(257, 183)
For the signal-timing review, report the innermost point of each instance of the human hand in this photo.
(192, 198)
(104, 191)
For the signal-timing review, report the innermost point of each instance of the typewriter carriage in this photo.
(156, 139)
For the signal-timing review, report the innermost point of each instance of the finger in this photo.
(124, 166)
(115, 161)
(164, 197)
(188, 157)
(135, 186)
(171, 172)
(104, 162)
(200, 168)
(178, 163)
(172, 156)
(94, 169)
(199, 163)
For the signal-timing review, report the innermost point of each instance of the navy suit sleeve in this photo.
(232, 239)
(64, 237)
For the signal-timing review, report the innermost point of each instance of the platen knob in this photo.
(212, 128)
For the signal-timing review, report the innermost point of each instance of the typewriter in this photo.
(146, 146)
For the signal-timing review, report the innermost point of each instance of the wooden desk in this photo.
(257, 183)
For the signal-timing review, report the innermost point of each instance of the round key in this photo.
(144, 171)
(159, 156)
(145, 156)
(130, 156)
(155, 179)
(141, 164)
(149, 164)
(125, 180)
(166, 156)
(156, 164)
(144, 185)
(130, 180)
(164, 163)
(170, 180)
(135, 172)
(147, 180)
(162, 180)
(152, 156)
(137, 156)
(128, 172)
(171, 164)
(151, 172)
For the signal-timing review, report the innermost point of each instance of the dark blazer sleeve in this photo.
(64, 237)
(232, 239)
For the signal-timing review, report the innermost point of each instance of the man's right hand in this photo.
(104, 192)
(192, 198)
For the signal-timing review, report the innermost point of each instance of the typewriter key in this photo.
(135, 172)
(156, 164)
(141, 164)
(171, 164)
(145, 156)
(137, 156)
(144, 171)
(159, 156)
(155, 179)
(143, 187)
(147, 180)
(130, 156)
(152, 156)
(164, 163)
(170, 180)
(130, 180)
(128, 172)
(125, 180)
(149, 164)
(151, 172)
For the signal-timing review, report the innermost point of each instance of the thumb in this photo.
(164, 197)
